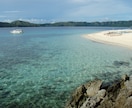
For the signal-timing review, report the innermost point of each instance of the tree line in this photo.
(19, 23)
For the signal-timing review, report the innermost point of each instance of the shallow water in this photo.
(42, 66)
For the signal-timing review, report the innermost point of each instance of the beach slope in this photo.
(115, 37)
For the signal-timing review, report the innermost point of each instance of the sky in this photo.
(45, 11)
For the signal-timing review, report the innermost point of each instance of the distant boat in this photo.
(16, 31)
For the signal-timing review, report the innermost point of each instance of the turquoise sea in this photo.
(41, 67)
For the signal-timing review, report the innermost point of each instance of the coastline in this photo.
(95, 94)
(121, 38)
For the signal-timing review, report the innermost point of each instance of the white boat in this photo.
(16, 31)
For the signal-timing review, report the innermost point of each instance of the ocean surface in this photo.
(43, 66)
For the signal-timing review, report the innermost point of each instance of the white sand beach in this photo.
(115, 37)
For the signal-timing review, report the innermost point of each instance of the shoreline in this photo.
(95, 94)
(121, 38)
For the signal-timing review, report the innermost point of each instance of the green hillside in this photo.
(19, 23)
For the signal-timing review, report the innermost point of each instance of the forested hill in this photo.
(18, 24)
(70, 23)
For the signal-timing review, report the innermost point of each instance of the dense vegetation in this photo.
(18, 24)
(70, 23)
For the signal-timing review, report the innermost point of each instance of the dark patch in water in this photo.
(110, 66)
(1, 88)
(4, 94)
(121, 63)
(130, 72)
(108, 77)
(13, 57)
(7, 63)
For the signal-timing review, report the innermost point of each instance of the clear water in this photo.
(41, 67)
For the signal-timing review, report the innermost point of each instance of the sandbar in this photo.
(115, 37)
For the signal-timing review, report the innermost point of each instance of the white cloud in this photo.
(64, 10)
(7, 20)
(2, 16)
(78, 1)
(12, 11)
(86, 1)
(33, 20)
(99, 8)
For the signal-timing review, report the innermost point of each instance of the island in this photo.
(19, 23)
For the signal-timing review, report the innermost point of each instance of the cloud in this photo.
(2, 16)
(12, 11)
(7, 20)
(64, 10)
(94, 8)
(87, 1)
(33, 20)
(78, 1)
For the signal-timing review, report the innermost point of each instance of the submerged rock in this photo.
(93, 95)
(121, 63)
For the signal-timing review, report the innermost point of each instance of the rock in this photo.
(91, 102)
(121, 98)
(118, 94)
(121, 63)
(93, 87)
(106, 103)
(125, 77)
(83, 92)
(93, 95)
(101, 94)
(77, 97)
(88, 103)
(128, 103)
(128, 84)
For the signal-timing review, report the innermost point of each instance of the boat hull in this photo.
(17, 31)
